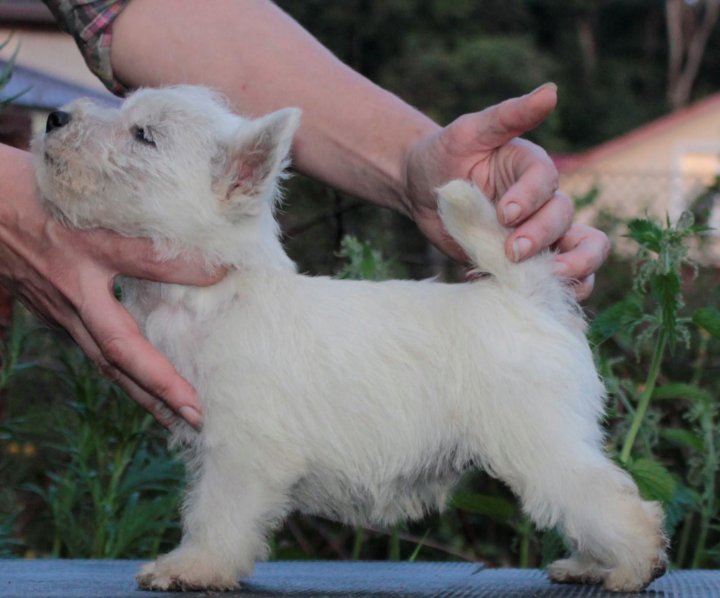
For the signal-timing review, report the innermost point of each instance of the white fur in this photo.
(360, 401)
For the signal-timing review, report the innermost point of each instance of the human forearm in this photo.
(354, 135)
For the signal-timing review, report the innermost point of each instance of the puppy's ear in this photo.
(255, 159)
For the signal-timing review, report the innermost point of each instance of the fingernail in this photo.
(511, 213)
(191, 416)
(521, 247)
(549, 85)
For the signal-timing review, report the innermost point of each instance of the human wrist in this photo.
(404, 190)
(369, 158)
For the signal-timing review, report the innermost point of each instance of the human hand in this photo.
(66, 278)
(518, 175)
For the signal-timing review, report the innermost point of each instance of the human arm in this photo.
(356, 136)
(66, 277)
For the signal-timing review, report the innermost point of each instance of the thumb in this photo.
(498, 124)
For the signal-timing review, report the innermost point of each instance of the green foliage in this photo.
(501, 66)
(6, 73)
(708, 318)
(654, 481)
(8, 543)
(587, 199)
(115, 494)
(363, 262)
(667, 428)
(609, 59)
(661, 256)
(104, 484)
(495, 507)
(618, 318)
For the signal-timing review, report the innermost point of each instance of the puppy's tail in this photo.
(471, 220)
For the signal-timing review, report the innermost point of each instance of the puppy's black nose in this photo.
(57, 119)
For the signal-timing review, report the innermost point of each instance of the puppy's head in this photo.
(172, 164)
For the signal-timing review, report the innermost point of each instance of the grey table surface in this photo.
(115, 579)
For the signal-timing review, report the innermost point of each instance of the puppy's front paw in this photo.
(180, 572)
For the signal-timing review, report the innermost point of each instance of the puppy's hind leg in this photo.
(225, 519)
(617, 539)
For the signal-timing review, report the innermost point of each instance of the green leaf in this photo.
(620, 316)
(679, 390)
(6, 71)
(654, 481)
(708, 318)
(684, 438)
(646, 232)
(665, 289)
(683, 502)
(586, 199)
(496, 507)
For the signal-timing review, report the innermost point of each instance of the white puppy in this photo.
(360, 401)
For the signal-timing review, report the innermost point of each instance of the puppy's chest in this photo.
(174, 325)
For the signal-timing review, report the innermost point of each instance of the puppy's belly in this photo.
(377, 501)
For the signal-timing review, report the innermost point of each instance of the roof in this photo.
(570, 162)
(46, 92)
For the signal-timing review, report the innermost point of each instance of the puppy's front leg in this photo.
(225, 519)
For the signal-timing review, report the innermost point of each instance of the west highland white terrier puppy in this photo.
(359, 401)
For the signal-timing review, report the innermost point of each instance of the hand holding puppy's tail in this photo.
(471, 220)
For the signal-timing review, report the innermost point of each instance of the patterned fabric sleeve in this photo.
(90, 23)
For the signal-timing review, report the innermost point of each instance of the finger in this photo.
(124, 348)
(151, 404)
(498, 124)
(537, 182)
(137, 258)
(583, 250)
(159, 410)
(542, 230)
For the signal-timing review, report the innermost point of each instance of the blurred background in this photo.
(636, 136)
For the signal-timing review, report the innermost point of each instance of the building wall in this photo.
(660, 174)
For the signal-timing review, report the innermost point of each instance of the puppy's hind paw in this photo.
(625, 579)
(616, 579)
(168, 576)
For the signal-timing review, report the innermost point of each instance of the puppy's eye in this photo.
(143, 135)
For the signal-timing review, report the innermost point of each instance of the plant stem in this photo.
(358, 543)
(418, 548)
(394, 545)
(684, 540)
(645, 397)
(524, 557)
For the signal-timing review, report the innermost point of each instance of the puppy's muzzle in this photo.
(57, 119)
